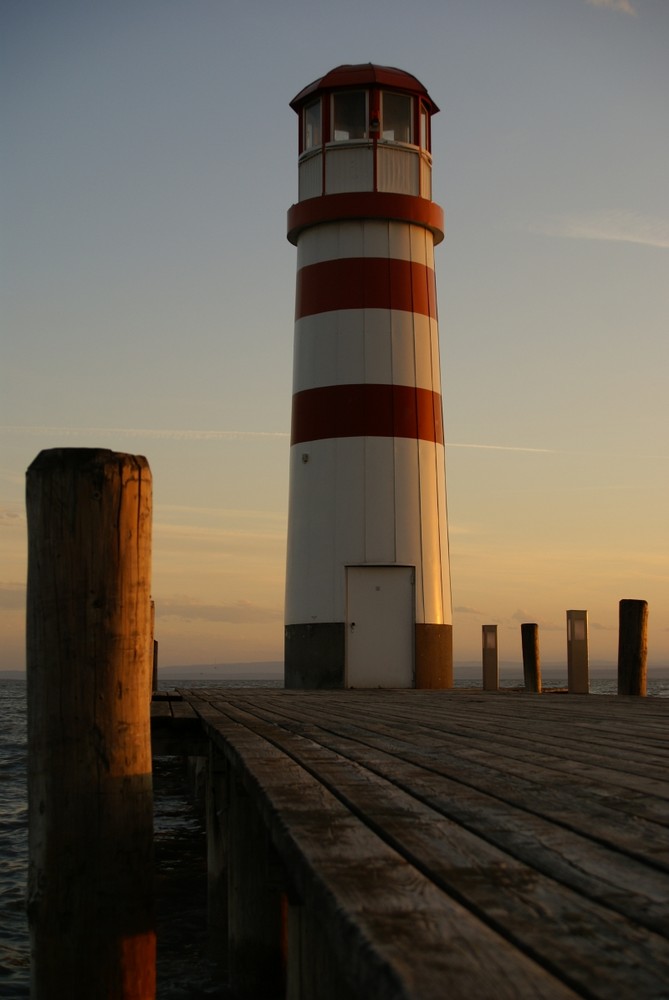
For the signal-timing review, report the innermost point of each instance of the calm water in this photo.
(183, 969)
(13, 841)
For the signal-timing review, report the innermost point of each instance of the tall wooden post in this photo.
(531, 661)
(90, 891)
(632, 647)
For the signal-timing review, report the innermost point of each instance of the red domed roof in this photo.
(365, 75)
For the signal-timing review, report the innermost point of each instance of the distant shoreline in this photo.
(274, 671)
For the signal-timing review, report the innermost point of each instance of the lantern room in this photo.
(364, 128)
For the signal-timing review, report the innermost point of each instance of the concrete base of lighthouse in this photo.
(315, 656)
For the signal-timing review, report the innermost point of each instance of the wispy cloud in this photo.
(172, 434)
(522, 616)
(171, 512)
(12, 597)
(240, 613)
(613, 226)
(500, 447)
(624, 6)
(175, 434)
(11, 517)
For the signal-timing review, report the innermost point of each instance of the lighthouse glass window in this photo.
(349, 115)
(312, 125)
(424, 127)
(397, 118)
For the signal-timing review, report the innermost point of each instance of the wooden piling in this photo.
(632, 647)
(90, 892)
(256, 962)
(154, 671)
(153, 648)
(531, 660)
(217, 856)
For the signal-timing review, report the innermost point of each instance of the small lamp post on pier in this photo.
(490, 658)
(577, 652)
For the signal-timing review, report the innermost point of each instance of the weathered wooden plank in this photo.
(542, 917)
(507, 714)
(504, 711)
(176, 735)
(618, 788)
(474, 723)
(594, 807)
(625, 754)
(605, 876)
(160, 709)
(443, 756)
(607, 730)
(556, 799)
(171, 695)
(182, 710)
(395, 934)
(594, 787)
(480, 750)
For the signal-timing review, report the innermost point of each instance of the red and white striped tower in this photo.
(368, 601)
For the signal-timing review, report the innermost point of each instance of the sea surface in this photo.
(184, 970)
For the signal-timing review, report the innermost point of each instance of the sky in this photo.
(149, 158)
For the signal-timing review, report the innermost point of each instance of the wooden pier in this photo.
(432, 844)
(361, 845)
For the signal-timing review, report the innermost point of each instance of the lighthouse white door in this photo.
(380, 626)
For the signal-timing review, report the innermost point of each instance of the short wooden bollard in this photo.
(531, 661)
(632, 647)
(90, 891)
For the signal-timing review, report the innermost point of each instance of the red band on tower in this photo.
(365, 283)
(339, 411)
(366, 205)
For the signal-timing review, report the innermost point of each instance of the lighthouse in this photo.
(368, 596)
